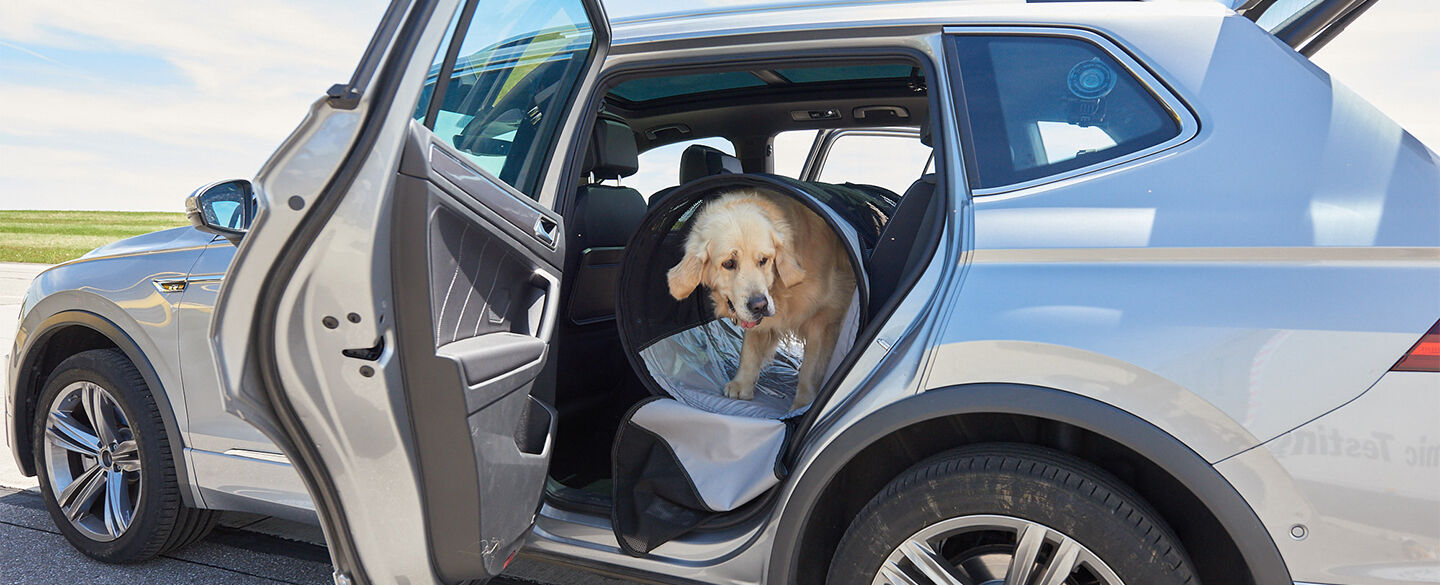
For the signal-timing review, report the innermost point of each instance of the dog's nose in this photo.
(758, 306)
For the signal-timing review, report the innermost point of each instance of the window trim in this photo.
(1182, 114)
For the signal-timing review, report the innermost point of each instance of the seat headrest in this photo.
(702, 161)
(612, 153)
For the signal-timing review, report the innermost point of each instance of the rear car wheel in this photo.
(1011, 515)
(105, 465)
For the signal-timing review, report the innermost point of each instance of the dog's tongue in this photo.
(749, 324)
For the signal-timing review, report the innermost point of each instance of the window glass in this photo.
(660, 167)
(889, 161)
(654, 88)
(1282, 11)
(791, 148)
(514, 73)
(429, 90)
(1039, 106)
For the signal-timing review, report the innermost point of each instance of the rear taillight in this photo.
(1425, 356)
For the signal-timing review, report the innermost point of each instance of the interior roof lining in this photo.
(686, 108)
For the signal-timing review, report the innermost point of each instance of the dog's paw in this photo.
(740, 390)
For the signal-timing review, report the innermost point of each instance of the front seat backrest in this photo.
(601, 221)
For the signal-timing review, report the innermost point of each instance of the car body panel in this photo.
(116, 284)
(1350, 496)
(233, 465)
(1230, 280)
(120, 283)
(390, 510)
(212, 429)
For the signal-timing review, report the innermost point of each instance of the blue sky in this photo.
(130, 105)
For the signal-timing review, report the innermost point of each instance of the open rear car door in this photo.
(1306, 25)
(388, 312)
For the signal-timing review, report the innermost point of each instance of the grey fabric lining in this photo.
(695, 364)
(730, 459)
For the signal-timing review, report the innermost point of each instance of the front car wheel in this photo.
(105, 465)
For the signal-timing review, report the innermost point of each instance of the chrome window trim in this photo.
(1189, 124)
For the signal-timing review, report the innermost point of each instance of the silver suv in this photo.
(1161, 309)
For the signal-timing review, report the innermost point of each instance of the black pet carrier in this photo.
(689, 453)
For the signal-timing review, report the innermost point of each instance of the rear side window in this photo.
(1040, 106)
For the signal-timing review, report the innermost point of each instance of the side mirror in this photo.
(225, 208)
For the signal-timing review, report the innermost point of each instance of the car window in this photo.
(660, 167)
(791, 148)
(1039, 106)
(884, 160)
(502, 99)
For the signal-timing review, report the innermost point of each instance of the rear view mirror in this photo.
(225, 208)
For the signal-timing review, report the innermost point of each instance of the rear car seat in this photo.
(699, 161)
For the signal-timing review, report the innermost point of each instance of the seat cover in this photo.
(692, 453)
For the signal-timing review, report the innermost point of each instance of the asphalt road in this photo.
(245, 549)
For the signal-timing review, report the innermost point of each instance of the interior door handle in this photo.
(545, 229)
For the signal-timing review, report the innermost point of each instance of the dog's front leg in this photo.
(820, 336)
(755, 351)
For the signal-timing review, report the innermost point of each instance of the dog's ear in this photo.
(685, 276)
(787, 265)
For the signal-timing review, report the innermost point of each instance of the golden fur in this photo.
(746, 246)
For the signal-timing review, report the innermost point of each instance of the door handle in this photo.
(545, 230)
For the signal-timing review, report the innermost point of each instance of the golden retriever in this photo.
(777, 270)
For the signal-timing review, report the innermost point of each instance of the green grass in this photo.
(51, 237)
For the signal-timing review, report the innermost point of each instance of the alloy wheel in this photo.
(992, 550)
(93, 461)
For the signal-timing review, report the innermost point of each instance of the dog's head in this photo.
(739, 248)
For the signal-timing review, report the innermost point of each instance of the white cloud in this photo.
(130, 105)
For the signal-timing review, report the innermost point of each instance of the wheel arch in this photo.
(60, 336)
(1210, 516)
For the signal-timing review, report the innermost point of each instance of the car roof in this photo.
(757, 16)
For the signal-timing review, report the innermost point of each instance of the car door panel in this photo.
(411, 308)
(211, 428)
(473, 339)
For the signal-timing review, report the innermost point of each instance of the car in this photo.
(1161, 309)
(113, 400)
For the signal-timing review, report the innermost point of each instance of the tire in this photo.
(972, 511)
(123, 505)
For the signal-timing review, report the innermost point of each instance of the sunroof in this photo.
(823, 74)
(654, 88)
(641, 90)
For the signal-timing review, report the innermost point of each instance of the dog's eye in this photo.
(728, 264)
(763, 260)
